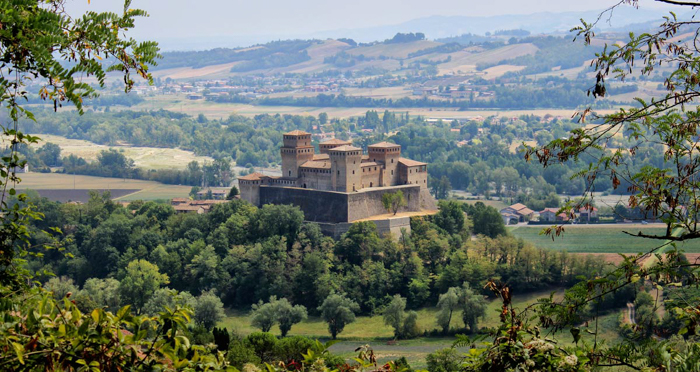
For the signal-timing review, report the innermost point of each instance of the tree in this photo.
(103, 292)
(450, 217)
(166, 298)
(50, 154)
(61, 287)
(338, 311)
(264, 315)
(233, 193)
(404, 323)
(323, 118)
(288, 315)
(488, 221)
(394, 314)
(208, 310)
(473, 307)
(140, 281)
(392, 202)
(447, 304)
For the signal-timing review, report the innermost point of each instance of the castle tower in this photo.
(326, 146)
(297, 150)
(388, 154)
(346, 173)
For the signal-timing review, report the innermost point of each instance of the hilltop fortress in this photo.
(341, 184)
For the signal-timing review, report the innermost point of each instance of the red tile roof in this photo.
(410, 163)
(296, 133)
(384, 145)
(251, 177)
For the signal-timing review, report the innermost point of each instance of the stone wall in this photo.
(389, 226)
(317, 205)
(368, 202)
(335, 207)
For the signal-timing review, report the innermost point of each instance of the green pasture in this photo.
(598, 238)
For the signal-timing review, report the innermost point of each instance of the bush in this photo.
(444, 360)
(240, 353)
(292, 347)
(263, 345)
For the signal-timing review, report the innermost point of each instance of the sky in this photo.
(262, 20)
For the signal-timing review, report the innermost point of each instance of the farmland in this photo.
(146, 190)
(598, 238)
(144, 157)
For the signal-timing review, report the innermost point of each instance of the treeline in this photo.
(246, 254)
(563, 96)
(443, 48)
(261, 53)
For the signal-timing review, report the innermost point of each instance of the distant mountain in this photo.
(436, 27)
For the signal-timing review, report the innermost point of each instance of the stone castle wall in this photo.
(337, 207)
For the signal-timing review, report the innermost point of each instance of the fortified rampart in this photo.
(339, 207)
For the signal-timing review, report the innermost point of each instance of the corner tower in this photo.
(388, 154)
(345, 168)
(296, 150)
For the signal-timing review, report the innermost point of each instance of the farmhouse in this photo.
(550, 215)
(522, 212)
(185, 205)
(588, 214)
(342, 183)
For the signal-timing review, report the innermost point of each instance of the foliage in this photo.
(57, 335)
(265, 315)
(140, 281)
(338, 311)
(393, 201)
(208, 310)
(404, 323)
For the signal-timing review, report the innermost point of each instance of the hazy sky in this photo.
(192, 19)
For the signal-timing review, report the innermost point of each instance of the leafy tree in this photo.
(208, 310)
(450, 217)
(393, 201)
(447, 304)
(50, 154)
(232, 193)
(103, 292)
(61, 287)
(338, 311)
(323, 118)
(404, 323)
(264, 315)
(166, 298)
(140, 281)
(394, 314)
(488, 221)
(288, 315)
(473, 307)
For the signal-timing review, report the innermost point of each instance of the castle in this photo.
(341, 184)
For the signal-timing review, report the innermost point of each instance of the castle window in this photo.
(339, 173)
(290, 173)
(353, 172)
(392, 172)
(392, 161)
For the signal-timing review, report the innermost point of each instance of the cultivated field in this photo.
(178, 103)
(144, 157)
(598, 238)
(146, 190)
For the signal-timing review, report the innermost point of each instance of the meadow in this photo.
(372, 330)
(598, 238)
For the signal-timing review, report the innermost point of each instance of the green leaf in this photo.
(19, 351)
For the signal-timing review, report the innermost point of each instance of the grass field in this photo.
(373, 331)
(144, 157)
(149, 190)
(598, 238)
